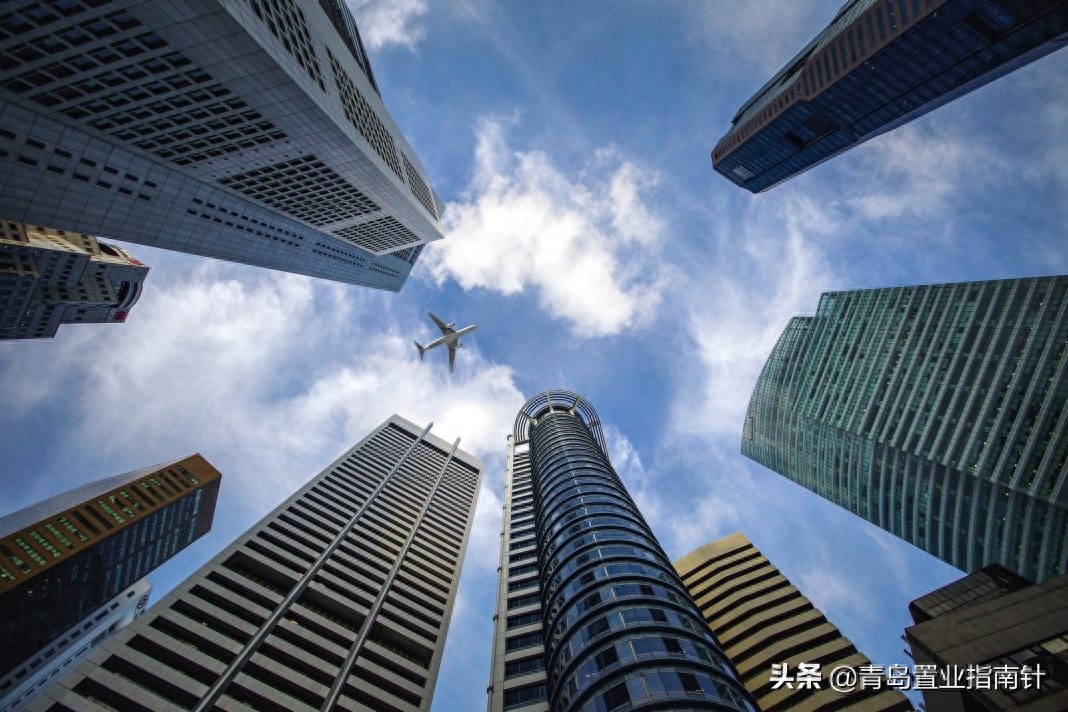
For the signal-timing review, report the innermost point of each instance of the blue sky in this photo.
(597, 250)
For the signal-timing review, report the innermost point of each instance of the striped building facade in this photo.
(339, 599)
(761, 619)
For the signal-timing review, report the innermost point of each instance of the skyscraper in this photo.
(51, 277)
(1001, 628)
(937, 412)
(63, 558)
(761, 620)
(24, 682)
(250, 131)
(590, 613)
(878, 65)
(339, 599)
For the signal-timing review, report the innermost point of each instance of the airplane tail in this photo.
(422, 349)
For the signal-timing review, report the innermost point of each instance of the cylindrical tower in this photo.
(620, 630)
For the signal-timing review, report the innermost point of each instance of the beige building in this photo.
(53, 277)
(761, 619)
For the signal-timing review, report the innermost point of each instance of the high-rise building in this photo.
(878, 65)
(937, 412)
(992, 642)
(250, 131)
(64, 558)
(51, 277)
(762, 620)
(339, 599)
(20, 686)
(591, 616)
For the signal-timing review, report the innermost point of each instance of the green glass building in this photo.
(937, 412)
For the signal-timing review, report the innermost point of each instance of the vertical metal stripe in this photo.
(372, 613)
(224, 680)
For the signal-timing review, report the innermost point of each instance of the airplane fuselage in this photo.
(454, 337)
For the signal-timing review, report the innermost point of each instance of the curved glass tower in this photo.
(615, 626)
(937, 412)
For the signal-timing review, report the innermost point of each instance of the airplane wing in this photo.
(445, 328)
(452, 357)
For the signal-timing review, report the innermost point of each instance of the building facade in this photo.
(243, 130)
(937, 412)
(590, 614)
(1001, 628)
(337, 600)
(761, 619)
(20, 686)
(64, 558)
(52, 277)
(877, 66)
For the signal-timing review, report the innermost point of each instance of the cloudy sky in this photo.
(592, 243)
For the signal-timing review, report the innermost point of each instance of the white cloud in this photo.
(270, 377)
(836, 593)
(760, 34)
(776, 271)
(386, 22)
(679, 527)
(913, 171)
(586, 245)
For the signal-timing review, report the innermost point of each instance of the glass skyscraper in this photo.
(250, 131)
(937, 412)
(339, 599)
(878, 65)
(591, 615)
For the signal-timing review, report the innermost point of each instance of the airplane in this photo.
(449, 336)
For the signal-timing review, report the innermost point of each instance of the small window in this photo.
(616, 696)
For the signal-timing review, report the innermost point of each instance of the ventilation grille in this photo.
(210, 130)
(286, 21)
(33, 15)
(419, 187)
(378, 236)
(409, 254)
(341, 20)
(134, 90)
(339, 255)
(207, 210)
(363, 118)
(303, 188)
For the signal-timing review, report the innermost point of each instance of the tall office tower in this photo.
(51, 277)
(936, 412)
(20, 686)
(63, 558)
(243, 130)
(761, 619)
(1000, 641)
(878, 65)
(339, 599)
(590, 614)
